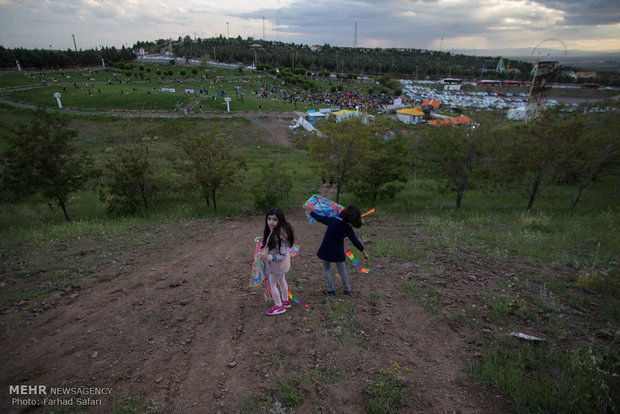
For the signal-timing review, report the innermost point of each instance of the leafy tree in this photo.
(592, 154)
(456, 153)
(340, 148)
(213, 165)
(271, 187)
(125, 181)
(42, 158)
(533, 152)
(377, 175)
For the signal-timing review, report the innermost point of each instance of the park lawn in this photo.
(92, 91)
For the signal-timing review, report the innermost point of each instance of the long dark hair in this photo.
(282, 224)
(352, 215)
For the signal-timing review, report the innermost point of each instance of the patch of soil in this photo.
(276, 129)
(178, 329)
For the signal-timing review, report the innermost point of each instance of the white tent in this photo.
(345, 114)
(517, 114)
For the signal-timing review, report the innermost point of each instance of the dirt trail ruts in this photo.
(179, 328)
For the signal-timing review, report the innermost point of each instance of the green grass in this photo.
(341, 321)
(387, 393)
(129, 404)
(497, 226)
(91, 91)
(292, 392)
(540, 378)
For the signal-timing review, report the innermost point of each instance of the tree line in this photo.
(59, 59)
(526, 157)
(396, 62)
(41, 158)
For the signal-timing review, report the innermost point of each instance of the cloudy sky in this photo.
(446, 25)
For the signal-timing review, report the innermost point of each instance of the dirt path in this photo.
(177, 328)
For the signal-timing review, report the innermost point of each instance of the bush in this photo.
(271, 187)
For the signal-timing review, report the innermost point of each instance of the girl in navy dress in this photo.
(332, 247)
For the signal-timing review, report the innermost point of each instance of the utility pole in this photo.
(74, 45)
(227, 32)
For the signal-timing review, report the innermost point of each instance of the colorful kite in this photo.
(258, 275)
(323, 207)
(259, 271)
(295, 250)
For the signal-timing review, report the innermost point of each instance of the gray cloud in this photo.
(402, 24)
(586, 12)
(424, 24)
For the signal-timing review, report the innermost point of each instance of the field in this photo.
(157, 309)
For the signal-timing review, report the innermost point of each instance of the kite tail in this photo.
(302, 260)
(290, 296)
(368, 212)
(266, 292)
(356, 262)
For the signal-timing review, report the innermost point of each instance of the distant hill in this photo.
(404, 63)
(580, 59)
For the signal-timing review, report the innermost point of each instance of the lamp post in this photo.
(57, 96)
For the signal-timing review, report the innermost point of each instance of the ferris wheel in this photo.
(549, 50)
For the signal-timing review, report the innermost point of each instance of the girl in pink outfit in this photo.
(278, 237)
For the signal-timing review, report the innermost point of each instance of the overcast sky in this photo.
(422, 24)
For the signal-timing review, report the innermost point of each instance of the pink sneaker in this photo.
(286, 304)
(275, 310)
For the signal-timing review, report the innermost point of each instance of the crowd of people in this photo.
(349, 96)
(350, 99)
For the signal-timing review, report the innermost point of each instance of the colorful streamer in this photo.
(290, 296)
(356, 262)
(368, 212)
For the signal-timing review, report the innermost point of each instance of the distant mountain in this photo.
(581, 59)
